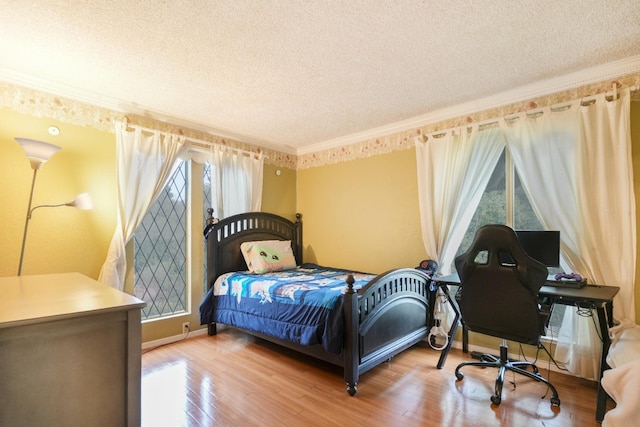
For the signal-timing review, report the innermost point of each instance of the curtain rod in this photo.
(200, 145)
(204, 146)
(561, 106)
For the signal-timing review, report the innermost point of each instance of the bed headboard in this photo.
(225, 236)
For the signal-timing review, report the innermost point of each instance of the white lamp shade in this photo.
(37, 152)
(82, 201)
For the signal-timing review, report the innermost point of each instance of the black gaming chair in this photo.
(498, 297)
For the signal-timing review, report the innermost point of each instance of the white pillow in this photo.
(265, 256)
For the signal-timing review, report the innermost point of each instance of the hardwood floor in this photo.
(233, 379)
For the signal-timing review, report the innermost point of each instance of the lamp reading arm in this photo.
(81, 201)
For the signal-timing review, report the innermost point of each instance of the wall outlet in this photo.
(185, 327)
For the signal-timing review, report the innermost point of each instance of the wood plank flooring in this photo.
(233, 379)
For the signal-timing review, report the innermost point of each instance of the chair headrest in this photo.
(503, 251)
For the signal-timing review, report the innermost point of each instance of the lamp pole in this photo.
(26, 221)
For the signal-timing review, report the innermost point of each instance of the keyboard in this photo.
(564, 283)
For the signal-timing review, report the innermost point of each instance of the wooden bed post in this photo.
(351, 360)
(213, 264)
(212, 329)
(298, 239)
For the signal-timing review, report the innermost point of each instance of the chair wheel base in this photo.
(504, 364)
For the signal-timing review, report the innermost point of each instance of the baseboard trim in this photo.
(170, 340)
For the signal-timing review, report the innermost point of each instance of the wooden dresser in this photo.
(69, 352)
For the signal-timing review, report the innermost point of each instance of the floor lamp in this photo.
(39, 153)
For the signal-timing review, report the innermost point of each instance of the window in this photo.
(503, 202)
(206, 176)
(160, 251)
(162, 273)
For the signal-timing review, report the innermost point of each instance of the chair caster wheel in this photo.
(555, 401)
(496, 400)
(351, 389)
(459, 376)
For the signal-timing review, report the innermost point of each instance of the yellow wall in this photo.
(66, 239)
(362, 214)
(59, 239)
(279, 191)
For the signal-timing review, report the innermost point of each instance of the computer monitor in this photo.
(543, 246)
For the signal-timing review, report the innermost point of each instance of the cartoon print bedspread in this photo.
(302, 305)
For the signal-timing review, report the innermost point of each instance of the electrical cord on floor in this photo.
(550, 359)
(535, 361)
(583, 310)
(541, 346)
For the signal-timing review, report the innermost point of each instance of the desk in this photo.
(595, 297)
(69, 352)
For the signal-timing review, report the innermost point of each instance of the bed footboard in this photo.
(384, 318)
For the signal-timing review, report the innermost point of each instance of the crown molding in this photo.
(557, 84)
(120, 106)
(61, 90)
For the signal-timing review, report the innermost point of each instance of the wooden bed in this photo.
(388, 315)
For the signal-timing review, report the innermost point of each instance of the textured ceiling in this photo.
(300, 73)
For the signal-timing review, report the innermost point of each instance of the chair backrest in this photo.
(500, 285)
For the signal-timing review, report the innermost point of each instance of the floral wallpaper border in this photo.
(405, 140)
(41, 104)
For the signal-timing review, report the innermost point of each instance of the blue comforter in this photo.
(302, 305)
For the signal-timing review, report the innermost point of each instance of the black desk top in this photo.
(587, 292)
(595, 293)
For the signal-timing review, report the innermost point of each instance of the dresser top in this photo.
(39, 298)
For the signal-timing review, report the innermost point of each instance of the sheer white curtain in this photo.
(236, 181)
(453, 172)
(144, 163)
(575, 166)
(608, 209)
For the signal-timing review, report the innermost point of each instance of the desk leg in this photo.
(452, 334)
(609, 308)
(452, 330)
(601, 404)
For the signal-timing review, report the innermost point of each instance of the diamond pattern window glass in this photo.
(206, 175)
(160, 251)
